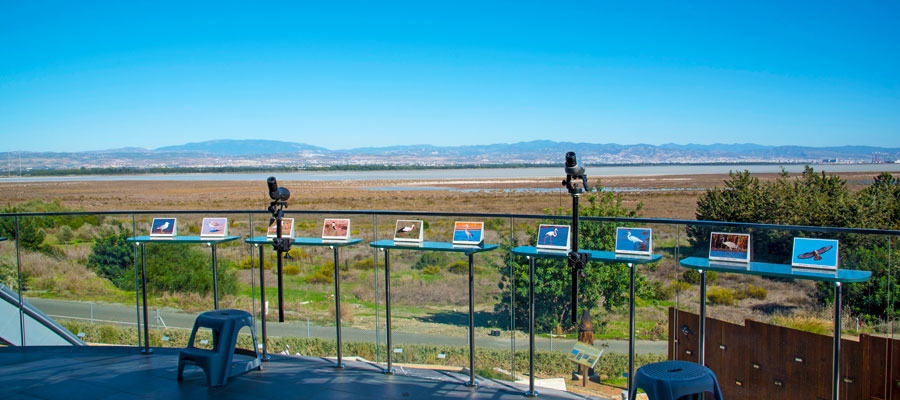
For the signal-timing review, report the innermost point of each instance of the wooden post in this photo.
(586, 336)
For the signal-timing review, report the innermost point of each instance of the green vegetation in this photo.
(69, 247)
(718, 295)
(817, 199)
(607, 288)
(113, 258)
(546, 363)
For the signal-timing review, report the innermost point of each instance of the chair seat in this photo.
(670, 380)
(220, 363)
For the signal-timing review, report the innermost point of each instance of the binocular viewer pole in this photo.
(279, 196)
(576, 259)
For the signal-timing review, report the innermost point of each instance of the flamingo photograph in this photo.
(634, 240)
(555, 237)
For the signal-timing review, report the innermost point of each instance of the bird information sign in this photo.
(729, 247)
(553, 237)
(163, 228)
(468, 233)
(634, 241)
(815, 253)
(287, 228)
(409, 231)
(214, 228)
(336, 229)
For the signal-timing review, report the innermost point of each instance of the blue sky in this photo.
(89, 75)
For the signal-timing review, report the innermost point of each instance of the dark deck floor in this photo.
(112, 372)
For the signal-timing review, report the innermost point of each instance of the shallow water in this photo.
(469, 174)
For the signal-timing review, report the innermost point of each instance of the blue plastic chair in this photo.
(670, 380)
(219, 364)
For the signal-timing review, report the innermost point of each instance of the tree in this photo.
(432, 259)
(65, 234)
(112, 257)
(185, 268)
(815, 199)
(170, 267)
(878, 205)
(553, 289)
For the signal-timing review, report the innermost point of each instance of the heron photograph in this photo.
(729, 247)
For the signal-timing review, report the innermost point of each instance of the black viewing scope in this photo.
(275, 192)
(573, 169)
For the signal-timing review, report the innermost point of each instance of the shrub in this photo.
(184, 268)
(661, 291)
(756, 292)
(459, 267)
(323, 274)
(112, 257)
(86, 233)
(291, 270)
(346, 312)
(431, 270)
(296, 254)
(692, 276)
(432, 258)
(750, 291)
(366, 264)
(720, 296)
(65, 234)
(681, 286)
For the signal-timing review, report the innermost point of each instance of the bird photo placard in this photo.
(553, 237)
(468, 233)
(163, 228)
(729, 247)
(815, 253)
(287, 228)
(634, 240)
(336, 229)
(214, 228)
(409, 231)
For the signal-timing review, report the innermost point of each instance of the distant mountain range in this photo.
(278, 154)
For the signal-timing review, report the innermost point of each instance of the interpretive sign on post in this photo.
(585, 354)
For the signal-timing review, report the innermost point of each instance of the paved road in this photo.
(121, 314)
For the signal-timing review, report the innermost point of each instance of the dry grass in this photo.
(478, 196)
(64, 278)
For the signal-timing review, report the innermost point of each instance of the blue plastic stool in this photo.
(669, 380)
(219, 364)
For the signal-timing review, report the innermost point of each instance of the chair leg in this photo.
(180, 369)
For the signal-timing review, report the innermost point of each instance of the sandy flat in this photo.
(667, 196)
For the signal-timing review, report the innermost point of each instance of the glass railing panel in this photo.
(61, 290)
(893, 328)
(429, 290)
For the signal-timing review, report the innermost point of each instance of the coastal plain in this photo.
(661, 196)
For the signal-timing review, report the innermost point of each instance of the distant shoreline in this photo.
(504, 172)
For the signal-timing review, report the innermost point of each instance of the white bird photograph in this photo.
(162, 226)
(725, 246)
(634, 240)
(553, 237)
